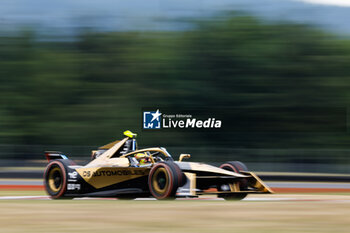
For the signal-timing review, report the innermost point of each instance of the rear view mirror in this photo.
(184, 156)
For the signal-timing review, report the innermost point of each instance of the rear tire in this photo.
(164, 180)
(55, 179)
(238, 167)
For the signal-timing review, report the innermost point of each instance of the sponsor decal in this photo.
(73, 175)
(101, 177)
(88, 174)
(158, 120)
(73, 186)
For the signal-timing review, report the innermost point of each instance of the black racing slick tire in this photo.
(238, 167)
(55, 179)
(233, 197)
(235, 166)
(164, 180)
(127, 197)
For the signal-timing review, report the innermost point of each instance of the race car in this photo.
(119, 169)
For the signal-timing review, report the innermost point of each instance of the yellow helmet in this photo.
(140, 155)
(130, 134)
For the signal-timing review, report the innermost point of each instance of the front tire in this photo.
(238, 167)
(233, 197)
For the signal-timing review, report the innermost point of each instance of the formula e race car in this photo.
(119, 169)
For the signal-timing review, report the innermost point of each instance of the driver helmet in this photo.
(142, 158)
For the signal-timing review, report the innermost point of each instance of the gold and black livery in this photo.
(119, 169)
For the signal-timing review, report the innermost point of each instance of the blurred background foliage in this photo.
(86, 90)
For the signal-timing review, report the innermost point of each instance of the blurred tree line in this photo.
(88, 89)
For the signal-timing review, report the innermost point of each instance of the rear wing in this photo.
(52, 155)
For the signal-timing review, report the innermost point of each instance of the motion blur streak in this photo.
(329, 2)
(82, 91)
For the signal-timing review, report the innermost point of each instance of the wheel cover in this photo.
(160, 181)
(55, 179)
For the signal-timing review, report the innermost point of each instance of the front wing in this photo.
(204, 185)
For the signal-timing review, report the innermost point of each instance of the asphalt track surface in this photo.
(330, 185)
(277, 186)
(284, 191)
